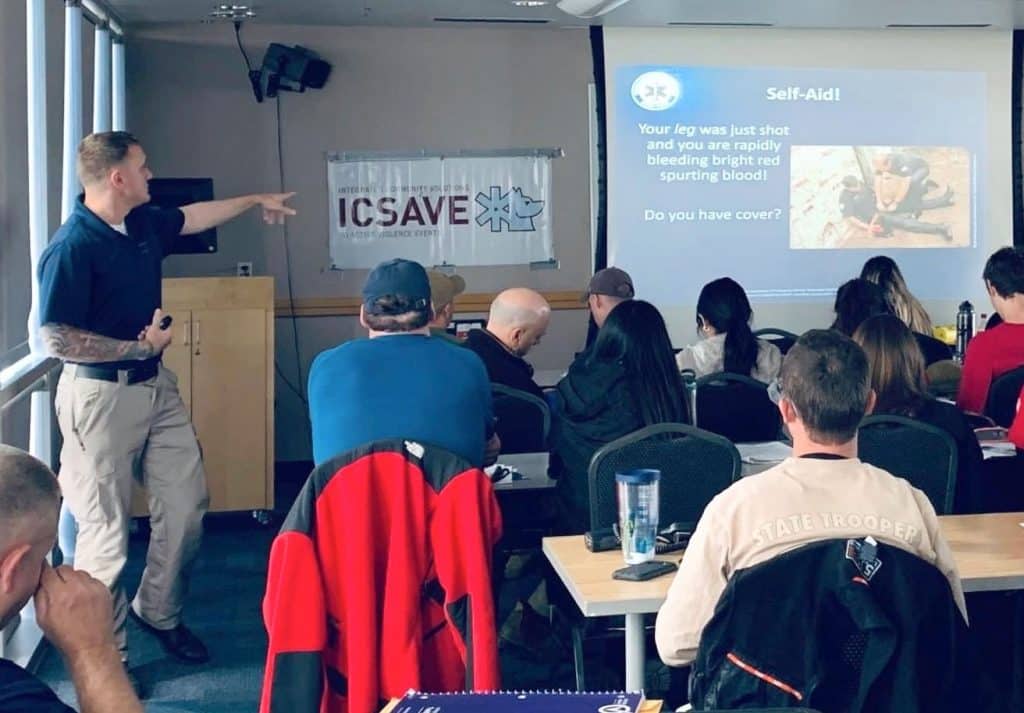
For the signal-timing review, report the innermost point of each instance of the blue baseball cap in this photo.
(398, 278)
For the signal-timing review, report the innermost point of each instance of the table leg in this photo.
(1017, 682)
(634, 652)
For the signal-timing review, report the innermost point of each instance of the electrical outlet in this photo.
(244, 269)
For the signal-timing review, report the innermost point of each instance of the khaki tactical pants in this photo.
(113, 433)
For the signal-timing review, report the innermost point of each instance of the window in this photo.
(15, 275)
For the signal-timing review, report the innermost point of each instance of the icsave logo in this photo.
(511, 210)
(656, 91)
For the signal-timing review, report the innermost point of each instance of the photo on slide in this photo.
(878, 197)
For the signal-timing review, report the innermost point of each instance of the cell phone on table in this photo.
(644, 571)
(166, 321)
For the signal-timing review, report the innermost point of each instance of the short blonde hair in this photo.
(28, 489)
(98, 153)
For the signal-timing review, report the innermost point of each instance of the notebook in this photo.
(513, 701)
(994, 443)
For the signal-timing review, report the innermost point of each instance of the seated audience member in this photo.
(1000, 349)
(822, 492)
(723, 318)
(884, 272)
(74, 610)
(608, 288)
(517, 321)
(401, 382)
(626, 380)
(1017, 428)
(897, 373)
(443, 291)
(856, 300)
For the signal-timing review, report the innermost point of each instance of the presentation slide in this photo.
(788, 178)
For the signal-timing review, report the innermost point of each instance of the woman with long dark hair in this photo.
(884, 272)
(626, 381)
(856, 300)
(723, 319)
(901, 389)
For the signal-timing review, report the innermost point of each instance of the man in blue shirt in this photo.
(401, 382)
(119, 410)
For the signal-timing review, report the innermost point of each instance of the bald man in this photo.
(74, 610)
(517, 321)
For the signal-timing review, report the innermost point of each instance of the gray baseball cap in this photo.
(610, 281)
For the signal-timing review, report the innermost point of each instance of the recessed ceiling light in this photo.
(529, 3)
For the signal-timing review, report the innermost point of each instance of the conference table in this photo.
(988, 549)
(531, 469)
(548, 378)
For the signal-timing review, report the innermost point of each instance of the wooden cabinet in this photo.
(223, 355)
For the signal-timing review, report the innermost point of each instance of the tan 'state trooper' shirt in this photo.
(799, 501)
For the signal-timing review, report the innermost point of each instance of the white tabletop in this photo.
(532, 466)
(759, 457)
(546, 378)
(988, 550)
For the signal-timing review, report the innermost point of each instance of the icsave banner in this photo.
(458, 210)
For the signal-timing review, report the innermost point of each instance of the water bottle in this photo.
(690, 384)
(964, 328)
(638, 513)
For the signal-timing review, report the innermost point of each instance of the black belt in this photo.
(130, 376)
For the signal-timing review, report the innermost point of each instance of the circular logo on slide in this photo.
(656, 91)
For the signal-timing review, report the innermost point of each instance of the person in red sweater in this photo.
(1000, 349)
(1017, 428)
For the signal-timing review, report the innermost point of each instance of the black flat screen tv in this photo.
(175, 192)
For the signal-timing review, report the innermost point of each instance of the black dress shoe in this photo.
(178, 642)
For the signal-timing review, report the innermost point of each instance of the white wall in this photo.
(391, 89)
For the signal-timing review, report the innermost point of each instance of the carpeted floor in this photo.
(223, 608)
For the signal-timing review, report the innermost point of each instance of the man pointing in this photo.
(118, 408)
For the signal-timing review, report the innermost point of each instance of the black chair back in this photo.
(695, 466)
(922, 454)
(779, 337)
(524, 420)
(1001, 404)
(737, 407)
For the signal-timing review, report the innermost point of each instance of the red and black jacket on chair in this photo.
(826, 627)
(380, 581)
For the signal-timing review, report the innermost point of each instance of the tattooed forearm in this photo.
(84, 347)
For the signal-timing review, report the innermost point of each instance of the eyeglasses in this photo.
(775, 390)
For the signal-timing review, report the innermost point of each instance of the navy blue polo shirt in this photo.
(94, 278)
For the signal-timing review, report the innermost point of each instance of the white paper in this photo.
(998, 449)
(770, 452)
